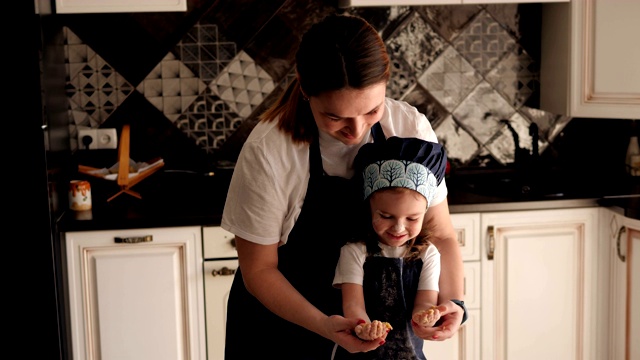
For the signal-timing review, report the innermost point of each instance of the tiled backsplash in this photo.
(466, 66)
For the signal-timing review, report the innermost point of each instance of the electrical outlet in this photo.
(92, 139)
(107, 139)
(87, 139)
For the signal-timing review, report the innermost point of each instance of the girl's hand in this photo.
(373, 330)
(428, 317)
(451, 316)
(341, 331)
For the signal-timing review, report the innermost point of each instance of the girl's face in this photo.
(397, 216)
(348, 114)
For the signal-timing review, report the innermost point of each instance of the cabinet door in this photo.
(118, 6)
(538, 271)
(218, 276)
(625, 288)
(588, 66)
(141, 300)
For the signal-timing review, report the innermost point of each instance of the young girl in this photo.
(392, 275)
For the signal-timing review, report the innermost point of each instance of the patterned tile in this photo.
(209, 121)
(243, 85)
(171, 87)
(516, 77)
(507, 15)
(402, 77)
(205, 51)
(448, 20)
(480, 113)
(450, 78)
(416, 42)
(460, 145)
(212, 89)
(426, 104)
(484, 42)
(94, 89)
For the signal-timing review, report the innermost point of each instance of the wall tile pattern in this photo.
(465, 67)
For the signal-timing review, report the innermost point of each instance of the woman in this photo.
(290, 202)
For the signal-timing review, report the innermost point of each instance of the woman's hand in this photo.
(450, 315)
(341, 331)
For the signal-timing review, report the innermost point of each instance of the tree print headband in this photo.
(401, 162)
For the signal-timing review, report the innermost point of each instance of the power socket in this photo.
(107, 139)
(97, 139)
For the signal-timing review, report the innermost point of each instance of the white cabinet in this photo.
(221, 263)
(136, 294)
(465, 344)
(348, 3)
(539, 271)
(118, 6)
(589, 59)
(622, 235)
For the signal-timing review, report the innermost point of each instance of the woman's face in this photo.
(397, 216)
(348, 114)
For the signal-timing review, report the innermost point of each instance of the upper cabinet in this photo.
(589, 59)
(118, 6)
(348, 3)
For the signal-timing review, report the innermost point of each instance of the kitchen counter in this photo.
(184, 198)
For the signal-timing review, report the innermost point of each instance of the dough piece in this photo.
(427, 318)
(372, 330)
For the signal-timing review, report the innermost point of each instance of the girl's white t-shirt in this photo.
(353, 255)
(271, 176)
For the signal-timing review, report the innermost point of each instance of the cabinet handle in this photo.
(622, 230)
(134, 239)
(233, 242)
(223, 272)
(491, 242)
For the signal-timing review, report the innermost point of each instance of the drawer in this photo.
(472, 284)
(218, 243)
(467, 227)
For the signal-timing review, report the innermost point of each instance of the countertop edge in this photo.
(524, 205)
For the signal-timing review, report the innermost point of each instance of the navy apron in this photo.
(390, 286)
(331, 212)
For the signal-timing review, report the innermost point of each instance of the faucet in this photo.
(521, 156)
(526, 163)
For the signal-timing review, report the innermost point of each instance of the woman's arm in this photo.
(443, 236)
(259, 267)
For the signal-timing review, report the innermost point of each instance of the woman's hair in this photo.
(414, 246)
(341, 51)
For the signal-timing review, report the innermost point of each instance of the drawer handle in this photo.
(225, 271)
(491, 242)
(134, 239)
(622, 230)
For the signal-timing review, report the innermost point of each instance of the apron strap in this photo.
(377, 133)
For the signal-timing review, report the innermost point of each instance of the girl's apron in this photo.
(332, 210)
(390, 286)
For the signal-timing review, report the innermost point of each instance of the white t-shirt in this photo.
(353, 255)
(271, 175)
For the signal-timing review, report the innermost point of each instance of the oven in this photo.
(220, 264)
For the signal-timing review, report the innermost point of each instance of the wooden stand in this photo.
(125, 182)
